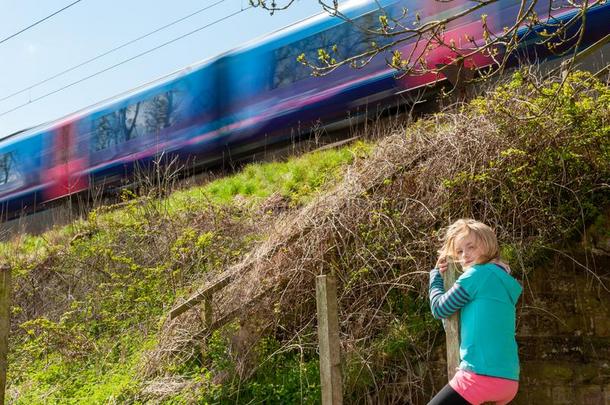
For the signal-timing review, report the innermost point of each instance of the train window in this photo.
(144, 118)
(351, 38)
(9, 172)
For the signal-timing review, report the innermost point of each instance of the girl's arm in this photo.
(444, 304)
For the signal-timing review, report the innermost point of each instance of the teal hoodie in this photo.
(487, 322)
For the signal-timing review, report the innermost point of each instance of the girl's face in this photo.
(469, 250)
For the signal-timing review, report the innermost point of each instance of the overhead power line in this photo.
(63, 72)
(126, 60)
(38, 22)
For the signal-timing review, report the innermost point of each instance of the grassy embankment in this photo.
(530, 158)
(89, 297)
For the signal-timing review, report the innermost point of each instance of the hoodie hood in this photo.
(512, 286)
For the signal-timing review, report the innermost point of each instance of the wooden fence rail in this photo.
(205, 295)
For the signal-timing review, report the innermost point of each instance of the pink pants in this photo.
(476, 388)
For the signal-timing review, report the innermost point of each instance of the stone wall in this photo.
(564, 332)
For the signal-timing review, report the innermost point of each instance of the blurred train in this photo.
(232, 104)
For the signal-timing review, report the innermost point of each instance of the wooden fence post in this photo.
(5, 295)
(452, 324)
(328, 339)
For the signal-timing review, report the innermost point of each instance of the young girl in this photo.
(486, 294)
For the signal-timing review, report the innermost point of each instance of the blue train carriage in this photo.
(127, 134)
(271, 97)
(20, 168)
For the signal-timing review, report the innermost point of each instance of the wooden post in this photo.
(5, 295)
(328, 339)
(452, 324)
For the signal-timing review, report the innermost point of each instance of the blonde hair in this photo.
(464, 227)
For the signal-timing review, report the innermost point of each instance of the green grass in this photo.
(297, 179)
(107, 379)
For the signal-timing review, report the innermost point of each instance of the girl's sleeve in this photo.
(444, 304)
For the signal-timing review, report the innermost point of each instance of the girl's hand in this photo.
(441, 264)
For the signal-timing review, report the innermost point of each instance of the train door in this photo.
(65, 170)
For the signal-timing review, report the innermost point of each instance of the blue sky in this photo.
(92, 27)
